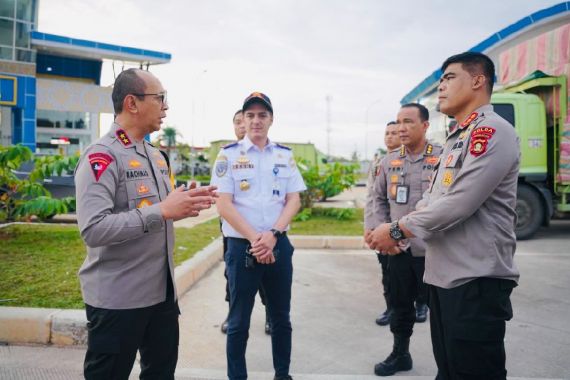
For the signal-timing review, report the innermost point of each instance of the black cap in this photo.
(257, 97)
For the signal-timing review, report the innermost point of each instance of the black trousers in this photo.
(468, 329)
(383, 260)
(406, 274)
(261, 290)
(114, 336)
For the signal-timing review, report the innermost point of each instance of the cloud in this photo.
(366, 54)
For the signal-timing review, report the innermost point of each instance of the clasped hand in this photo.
(379, 239)
(262, 247)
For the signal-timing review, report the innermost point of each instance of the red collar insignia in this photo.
(469, 120)
(99, 163)
(123, 137)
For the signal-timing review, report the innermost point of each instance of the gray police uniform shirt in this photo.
(119, 183)
(470, 216)
(368, 209)
(259, 181)
(411, 175)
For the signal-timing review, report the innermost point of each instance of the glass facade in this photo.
(17, 19)
(63, 120)
(53, 127)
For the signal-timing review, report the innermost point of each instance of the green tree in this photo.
(22, 198)
(168, 137)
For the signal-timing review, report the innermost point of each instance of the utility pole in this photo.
(328, 99)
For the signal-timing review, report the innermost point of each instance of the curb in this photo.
(68, 326)
(327, 242)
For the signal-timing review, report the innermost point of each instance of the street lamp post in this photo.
(366, 128)
(196, 79)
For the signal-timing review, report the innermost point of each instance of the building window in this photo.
(63, 120)
(26, 10)
(17, 19)
(6, 32)
(7, 8)
(6, 53)
(22, 35)
(25, 55)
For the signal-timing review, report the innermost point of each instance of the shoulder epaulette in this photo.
(229, 145)
(282, 146)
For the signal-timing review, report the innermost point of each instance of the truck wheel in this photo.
(530, 212)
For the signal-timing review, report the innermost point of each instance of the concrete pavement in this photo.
(335, 300)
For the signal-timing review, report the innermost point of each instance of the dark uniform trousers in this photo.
(383, 260)
(406, 274)
(244, 282)
(468, 328)
(261, 290)
(114, 336)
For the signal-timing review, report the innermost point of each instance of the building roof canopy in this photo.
(74, 47)
(492, 42)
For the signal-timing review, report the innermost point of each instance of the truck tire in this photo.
(530, 212)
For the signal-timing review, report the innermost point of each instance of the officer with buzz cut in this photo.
(392, 141)
(259, 186)
(126, 206)
(401, 180)
(467, 220)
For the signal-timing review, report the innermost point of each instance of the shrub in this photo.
(22, 198)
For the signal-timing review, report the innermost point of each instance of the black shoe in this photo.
(398, 360)
(421, 312)
(394, 363)
(224, 326)
(283, 378)
(384, 318)
(268, 325)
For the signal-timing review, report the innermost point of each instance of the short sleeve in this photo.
(222, 175)
(295, 183)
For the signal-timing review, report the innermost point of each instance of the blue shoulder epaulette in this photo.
(229, 145)
(282, 146)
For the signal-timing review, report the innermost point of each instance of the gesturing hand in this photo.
(182, 203)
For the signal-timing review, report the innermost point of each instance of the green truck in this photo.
(537, 106)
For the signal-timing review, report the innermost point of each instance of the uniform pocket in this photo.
(244, 183)
(141, 194)
(102, 336)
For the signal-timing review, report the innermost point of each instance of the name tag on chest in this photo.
(402, 194)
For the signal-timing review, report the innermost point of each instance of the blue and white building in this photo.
(51, 98)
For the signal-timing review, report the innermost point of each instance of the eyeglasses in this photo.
(161, 96)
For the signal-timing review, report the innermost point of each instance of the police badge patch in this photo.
(221, 166)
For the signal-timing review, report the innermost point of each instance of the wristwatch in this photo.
(276, 233)
(396, 232)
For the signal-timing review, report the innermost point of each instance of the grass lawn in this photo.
(326, 225)
(39, 263)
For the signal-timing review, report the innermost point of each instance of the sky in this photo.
(363, 54)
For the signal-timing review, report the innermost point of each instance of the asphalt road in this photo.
(336, 297)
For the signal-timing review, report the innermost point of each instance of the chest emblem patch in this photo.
(447, 178)
(144, 203)
(142, 189)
